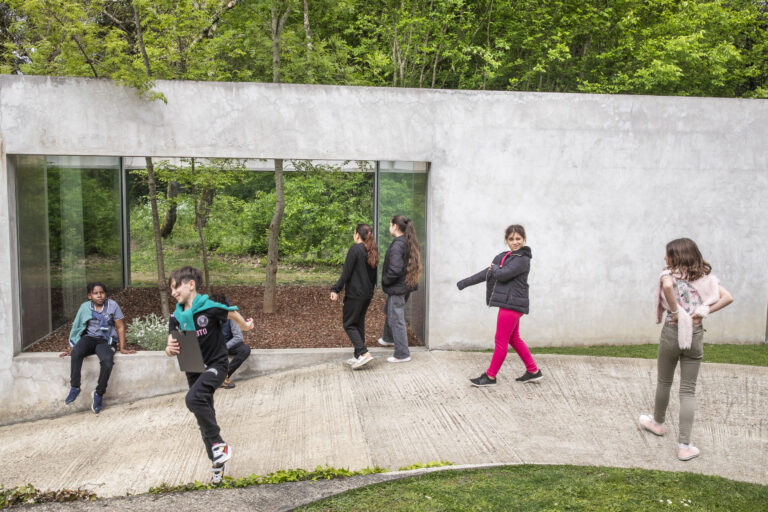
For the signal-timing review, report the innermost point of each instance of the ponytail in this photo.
(365, 233)
(413, 270)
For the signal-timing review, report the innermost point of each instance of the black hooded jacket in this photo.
(507, 284)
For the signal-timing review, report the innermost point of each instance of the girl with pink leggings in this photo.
(506, 282)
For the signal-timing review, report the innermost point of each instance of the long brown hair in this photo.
(365, 233)
(413, 270)
(684, 258)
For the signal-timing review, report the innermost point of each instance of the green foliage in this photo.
(94, 204)
(278, 477)
(552, 488)
(702, 48)
(323, 205)
(149, 332)
(423, 465)
(28, 494)
(754, 355)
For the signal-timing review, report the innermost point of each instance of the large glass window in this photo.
(69, 234)
(402, 189)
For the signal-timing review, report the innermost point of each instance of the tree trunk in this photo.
(202, 213)
(270, 284)
(307, 29)
(161, 285)
(170, 215)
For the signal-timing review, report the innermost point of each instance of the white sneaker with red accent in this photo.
(222, 452)
(649, 424)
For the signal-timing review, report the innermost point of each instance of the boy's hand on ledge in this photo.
(66, 353)
(124, 350)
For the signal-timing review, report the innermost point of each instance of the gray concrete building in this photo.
(600, 182)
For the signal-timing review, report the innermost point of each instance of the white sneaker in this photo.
(393, 359)
(218, 474)
(222, 452)
(687, 452)
(362, 361)
(649, 424)
(350, 361)
(386, 343)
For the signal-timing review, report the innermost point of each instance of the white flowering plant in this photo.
(149, 332)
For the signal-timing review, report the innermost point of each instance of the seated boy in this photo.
(196, 312)
(236, 346)
(96, 330)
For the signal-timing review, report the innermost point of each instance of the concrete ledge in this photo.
(40, 380)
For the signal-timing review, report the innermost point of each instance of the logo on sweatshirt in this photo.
(202, 321)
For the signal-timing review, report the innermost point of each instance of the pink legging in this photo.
(508, 333)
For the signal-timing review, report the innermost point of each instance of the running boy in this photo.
(196, 312)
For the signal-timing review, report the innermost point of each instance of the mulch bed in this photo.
(306, 317)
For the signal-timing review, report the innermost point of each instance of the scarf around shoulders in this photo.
(186, 318)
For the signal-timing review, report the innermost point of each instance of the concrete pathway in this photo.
(584, 412)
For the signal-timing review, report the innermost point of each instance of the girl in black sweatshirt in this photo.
(358, 276)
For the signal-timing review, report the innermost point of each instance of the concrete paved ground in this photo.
(583, 412)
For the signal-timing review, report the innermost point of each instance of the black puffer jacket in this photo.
(506, 285)
(395, 268)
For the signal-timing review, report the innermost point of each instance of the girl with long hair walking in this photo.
(507, 288)
(358, 279)
(399, 277)
(688, 292)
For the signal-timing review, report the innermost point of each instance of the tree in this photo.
(200, 180)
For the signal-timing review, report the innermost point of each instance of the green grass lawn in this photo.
(553, 488)
(755, 355)
(231, 271)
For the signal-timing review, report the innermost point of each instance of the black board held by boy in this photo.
(196, 312)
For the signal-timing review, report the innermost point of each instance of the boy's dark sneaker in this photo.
(97, 404)
(227, 384)
(72, 396)
(530, 377)
(483, 380)
(222, 452)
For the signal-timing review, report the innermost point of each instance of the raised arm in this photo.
(244, 324)
(480, 277)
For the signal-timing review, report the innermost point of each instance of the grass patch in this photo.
(233, 271)
(552, 488)
(754, 355)
(278, 477)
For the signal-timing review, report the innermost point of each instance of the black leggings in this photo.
(353, 318)
(86, 347)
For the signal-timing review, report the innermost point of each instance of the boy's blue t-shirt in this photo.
(102, 324)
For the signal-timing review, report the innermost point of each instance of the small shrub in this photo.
(423, 465)
(28, 494)
(149, 332)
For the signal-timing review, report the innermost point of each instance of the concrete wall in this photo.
(41, 379)
(600, 182)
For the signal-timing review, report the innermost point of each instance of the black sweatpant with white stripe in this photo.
(199, 401)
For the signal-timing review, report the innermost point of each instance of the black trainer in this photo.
(483, 380)
(530, 377)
